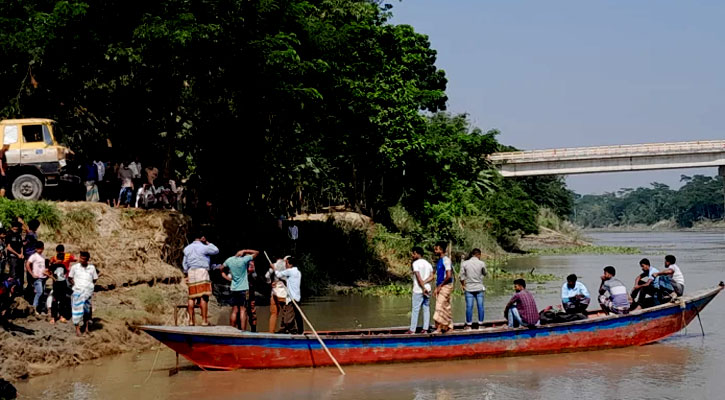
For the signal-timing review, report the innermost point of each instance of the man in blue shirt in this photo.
(574, 296)
(196, 269)
(443, 315)
(238, 266)
(643, 292)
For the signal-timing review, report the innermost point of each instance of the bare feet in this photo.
(52, 321)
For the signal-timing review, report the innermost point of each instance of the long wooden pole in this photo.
(319, 339)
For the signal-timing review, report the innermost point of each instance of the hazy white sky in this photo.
(582, 73)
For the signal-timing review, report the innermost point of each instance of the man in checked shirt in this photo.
(521, 310)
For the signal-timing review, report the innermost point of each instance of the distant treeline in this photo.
(700, 198)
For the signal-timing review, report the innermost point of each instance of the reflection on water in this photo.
(685, 365)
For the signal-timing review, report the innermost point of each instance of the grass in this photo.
(44, 211)
(498, 281)
(584, 250)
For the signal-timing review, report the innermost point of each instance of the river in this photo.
(686, 365)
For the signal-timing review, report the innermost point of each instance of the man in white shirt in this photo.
(422, 276)
(670, 281)
(83, 277)
(291, 315)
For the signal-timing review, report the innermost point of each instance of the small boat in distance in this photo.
(226, 348)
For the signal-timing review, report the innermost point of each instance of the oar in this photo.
(319, 339)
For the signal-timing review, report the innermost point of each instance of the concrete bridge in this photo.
(636, 157)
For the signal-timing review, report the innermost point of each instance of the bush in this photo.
(45, 212)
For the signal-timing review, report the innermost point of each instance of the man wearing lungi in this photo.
(196, 269)
(443, 315)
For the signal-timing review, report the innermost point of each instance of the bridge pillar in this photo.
(721, 172)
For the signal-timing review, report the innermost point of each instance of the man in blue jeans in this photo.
(422, 276)
(472, 272)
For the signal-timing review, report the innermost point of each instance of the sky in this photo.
(556, 73)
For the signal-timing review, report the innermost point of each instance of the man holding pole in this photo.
(291, 315)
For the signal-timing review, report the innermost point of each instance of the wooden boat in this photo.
(226, 348)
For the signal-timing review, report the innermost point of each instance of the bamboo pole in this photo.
(319, 339)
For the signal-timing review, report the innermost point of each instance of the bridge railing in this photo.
(654, 149)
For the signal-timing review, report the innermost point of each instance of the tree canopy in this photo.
(275, 107)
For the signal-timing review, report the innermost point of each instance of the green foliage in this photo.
(45, 212)
(585, 250)
(498, 281)
(701, 198)
(301, 104)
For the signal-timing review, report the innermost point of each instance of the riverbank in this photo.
(135, 253)
(667, 225)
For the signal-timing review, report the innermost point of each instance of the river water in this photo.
(684, 366)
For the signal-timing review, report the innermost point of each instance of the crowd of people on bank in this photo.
(652, 287)
(25, 271)
(128, 184)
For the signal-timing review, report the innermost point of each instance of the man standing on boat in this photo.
(575, 297)
(422, 276)
(291, 315)
(612, 293)
(443, 315)
(472, 272)
(670, 282)
(521, 310)
(238, 276)
(196, 269)
(279, 292)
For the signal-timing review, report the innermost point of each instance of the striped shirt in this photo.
(617, 292)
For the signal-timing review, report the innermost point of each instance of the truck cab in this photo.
(35, 159)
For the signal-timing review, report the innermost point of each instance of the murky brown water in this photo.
(683, 366)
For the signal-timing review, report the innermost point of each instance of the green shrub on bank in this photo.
(44, 211)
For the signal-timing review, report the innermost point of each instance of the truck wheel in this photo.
(27, 187)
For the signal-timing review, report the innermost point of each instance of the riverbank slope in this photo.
(135, 253)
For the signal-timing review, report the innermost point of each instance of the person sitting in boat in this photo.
(612, 293)
(643, 292)
(521, 310)
(670, 282)
(291, 315)
(575, 297)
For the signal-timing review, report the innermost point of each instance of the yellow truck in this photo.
(35, 160)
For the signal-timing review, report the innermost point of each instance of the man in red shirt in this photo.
(521, 310)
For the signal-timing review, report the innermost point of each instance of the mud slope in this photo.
(135, 253)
